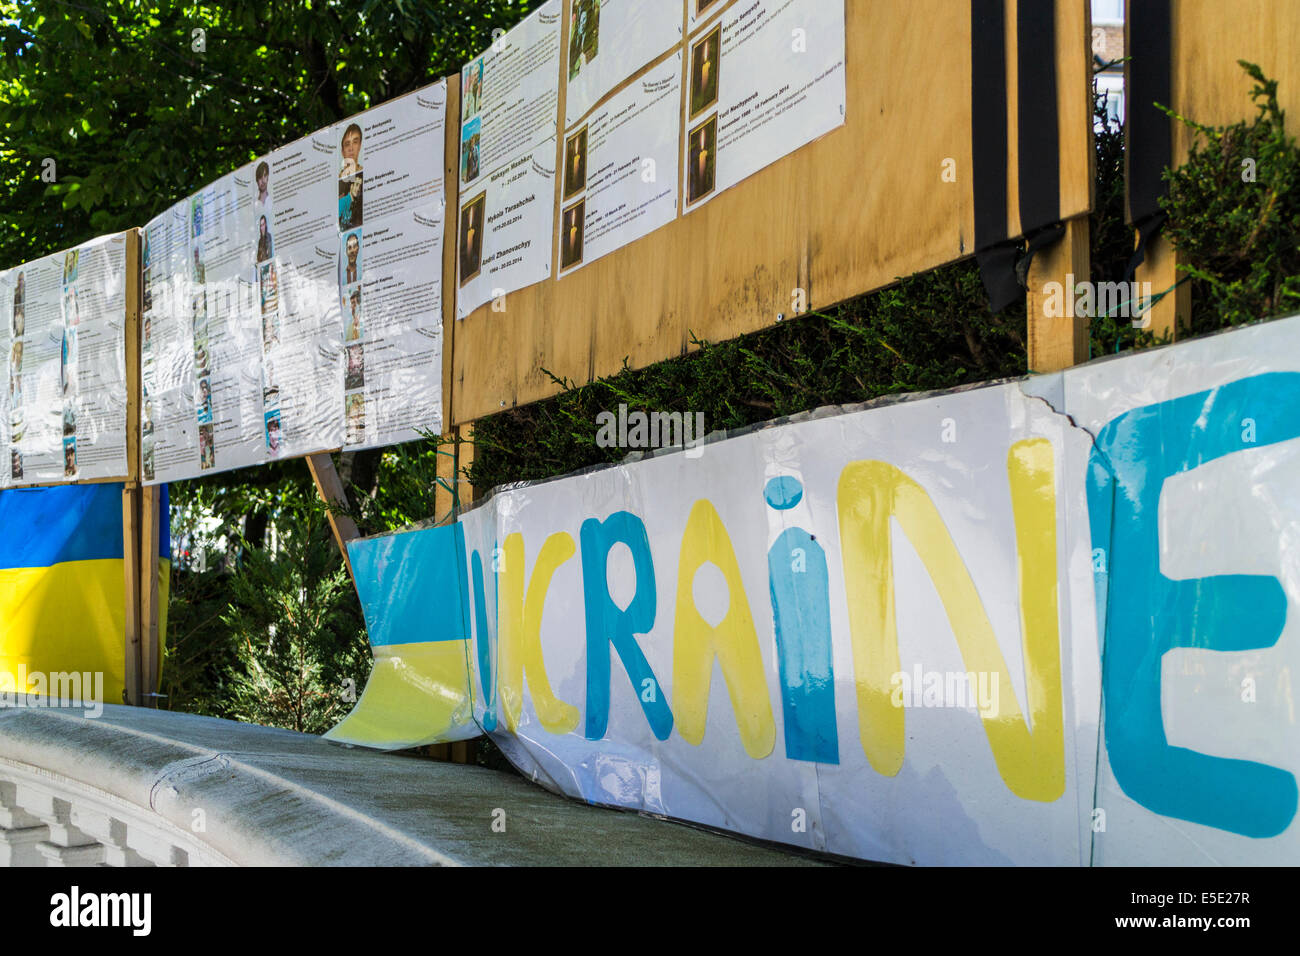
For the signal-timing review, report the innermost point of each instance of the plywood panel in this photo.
(1209, 37)
(853, 212)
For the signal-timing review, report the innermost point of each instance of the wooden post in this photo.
(150, 646)
(1059, 341)
(135, 636)
(1160, 269)
(330, 488)
(131, 568)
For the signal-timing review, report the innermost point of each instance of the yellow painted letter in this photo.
(520, 649)
(1032, 763)
(733, 642)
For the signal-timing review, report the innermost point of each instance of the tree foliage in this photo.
(141, 103)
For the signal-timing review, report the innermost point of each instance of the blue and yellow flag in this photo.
(63, 585)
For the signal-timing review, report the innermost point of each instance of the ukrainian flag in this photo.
(63, 582)
(413, 597)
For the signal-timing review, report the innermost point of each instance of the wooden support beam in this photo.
(131, 595)
(1058, 341)
(1160, 269)
(464, 458)
(150, 645)
(135, 635)
(330, 488)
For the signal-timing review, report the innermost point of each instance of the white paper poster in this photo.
(290, 304)
(700, 12)
(766, 79)
(509, 106)
(620, 168)
(64, 324)
(609, 42)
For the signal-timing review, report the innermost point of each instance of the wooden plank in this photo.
(330, 487)
(150, 645)
(1058, 341)
(464, 458)
(131, 593)
(1210, 87)
(450, 287)
(845, 215)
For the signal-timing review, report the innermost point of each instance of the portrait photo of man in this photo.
(353, 331)
(584, 38)
(575, 163)
(350, 149)
(471, 237)
(352, 257)
(350, 202)
(471, 90)
(263, 178)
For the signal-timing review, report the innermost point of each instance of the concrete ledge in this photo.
(161, 787)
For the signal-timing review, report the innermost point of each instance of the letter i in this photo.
(800, 590)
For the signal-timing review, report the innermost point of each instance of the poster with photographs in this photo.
(509, 105)
(168, 431)
(312, 271)
(764, 79)
(610, 41)
(64, 324)
(619, 180)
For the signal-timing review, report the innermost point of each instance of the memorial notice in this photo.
(509, 105)
(63, 323)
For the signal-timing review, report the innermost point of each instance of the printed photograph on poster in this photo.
(355, 376)
(350, 150)
(350, 259)
(352, 309)
(70, 265)
(207, 448)
(356, 418)
(264, 248)
(575, 163)
(571, 235)
(70, 457)
(204, 404)
(273, 437)
(704, 71)
(471, 238)
(584, 35)
(350, 202)
(262, 177)
(469, 151)
(702, 161)
(471, 90)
